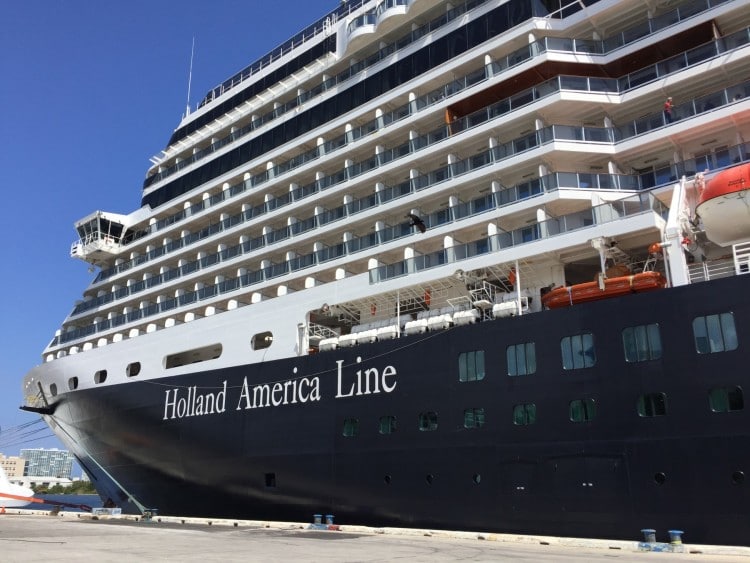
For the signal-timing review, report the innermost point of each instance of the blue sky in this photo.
(89, 91)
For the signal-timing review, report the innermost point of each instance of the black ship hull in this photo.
(211, 444)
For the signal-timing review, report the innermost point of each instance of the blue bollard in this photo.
(675, 537)
(317, 518)
(649, 535)
(329, 519)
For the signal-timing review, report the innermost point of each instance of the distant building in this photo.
(13, 466)
(48, 463)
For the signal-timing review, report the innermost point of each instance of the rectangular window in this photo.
(652, 404)
(387, 424)
(471, 366)
(524, 414)
(641, 343)
(582, 410)
(270, 479)
(193, 356)
(521, 358)
(726, 399)
(578, 351)
(715, 333)
(473, 418)
(351, 427)
(427, 421)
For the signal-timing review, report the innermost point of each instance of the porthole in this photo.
(660, 478)
(53, 389)
(387, 479)
(477, 478)
(133, 369)
(430, 478)
(261, 340)
(100, 376)
(738, 477)
(73, 383)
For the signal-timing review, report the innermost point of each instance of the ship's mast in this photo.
(190, 78)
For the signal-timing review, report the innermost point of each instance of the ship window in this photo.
(387, 424)
(53, 389)
(261, 340)
(578, 351)
(73, 383)
(427, 421)
(524, 414)
(521, 358)
(100, 376)
(193, 356)
(652, 404)
(471, 366)
(582, 410)
(726, 399)
(133, 369)
(715, 333)
(641, 343)
(351, 427)
(270, 479)
(473, 418)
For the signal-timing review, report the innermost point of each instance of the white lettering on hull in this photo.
(364, 382)
(290, 392)
(181, 402)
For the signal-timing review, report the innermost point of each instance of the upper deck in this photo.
(532, 174)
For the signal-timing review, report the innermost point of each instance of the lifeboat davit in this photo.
(724, 206)
(613, 287)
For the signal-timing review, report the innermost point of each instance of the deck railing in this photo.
(621, 209)
(495, 111)
(738, 264)
(514, 59)
(595, 216)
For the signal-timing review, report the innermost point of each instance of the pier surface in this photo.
(27, 535)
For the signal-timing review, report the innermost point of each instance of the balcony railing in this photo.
(501, 198)
(323, 24)
(557, 44)
(572, 83)
(598, 215)
(626, 131)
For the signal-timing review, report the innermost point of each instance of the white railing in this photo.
(738, 265)
(741, 253)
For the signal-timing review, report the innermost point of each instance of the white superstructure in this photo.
(539, 157)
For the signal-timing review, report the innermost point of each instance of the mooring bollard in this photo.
(317, 518)
(675, 537)
(649, 535)
(329, 519)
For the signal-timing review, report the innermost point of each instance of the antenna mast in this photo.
(190, 78)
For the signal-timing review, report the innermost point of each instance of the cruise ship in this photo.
(451, 265)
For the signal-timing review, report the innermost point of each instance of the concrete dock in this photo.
(28, 535)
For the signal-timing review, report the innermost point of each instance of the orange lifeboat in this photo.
(724, 205)
(613, 287)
